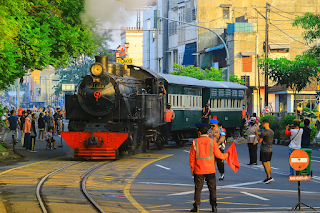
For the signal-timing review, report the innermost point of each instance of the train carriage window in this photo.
(174, 101)
(177, 101)
(170, 99)
(212, 103)
(180, 100)
(194, 102)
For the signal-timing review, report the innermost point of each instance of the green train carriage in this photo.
(187, 97)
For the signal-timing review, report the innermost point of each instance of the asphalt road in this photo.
(167, 185)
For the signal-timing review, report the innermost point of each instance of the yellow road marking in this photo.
(203, 201)
(246, 204)
(2, 208)
(131, 179)
(153, 207)
(10, 170)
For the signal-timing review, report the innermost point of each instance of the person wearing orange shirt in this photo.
(169, 116)
(20, 110)
(244, 116)
(202, 163)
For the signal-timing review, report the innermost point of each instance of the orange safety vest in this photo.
(202, 155)
(244, 113)
(169, 115)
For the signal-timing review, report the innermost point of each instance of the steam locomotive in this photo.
(119, 109)
(112, 111)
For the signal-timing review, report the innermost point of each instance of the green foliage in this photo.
(38, 33)
(195, 72)
(315, 109)
(273, 121)
(235, 79)
(278, 133)
(286, 120)
(2, 111)
(211, 74)
(296, 74)
(306, 109)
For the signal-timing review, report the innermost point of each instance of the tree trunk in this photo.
(295, 103)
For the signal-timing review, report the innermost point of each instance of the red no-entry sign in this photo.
(299, 160)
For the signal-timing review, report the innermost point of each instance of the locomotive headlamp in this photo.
(96, 69)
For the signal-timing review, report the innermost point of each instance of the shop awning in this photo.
(215, 48)
(279, 46)
(246, 53)
(189, 58)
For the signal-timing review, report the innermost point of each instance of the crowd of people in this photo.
(33, 126)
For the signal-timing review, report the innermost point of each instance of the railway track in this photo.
(83, 189)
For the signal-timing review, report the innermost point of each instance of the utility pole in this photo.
(266, 101)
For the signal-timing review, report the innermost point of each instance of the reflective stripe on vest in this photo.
(204, 158)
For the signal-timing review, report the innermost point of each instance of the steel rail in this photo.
(84, 178)
(40, 183)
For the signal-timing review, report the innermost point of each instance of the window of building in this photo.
(194, 17)
(246, 80)
(306, 102)
(246, 63)
(148, 24)
(181, 12)
(226, 12)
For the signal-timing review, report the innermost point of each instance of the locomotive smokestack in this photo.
(103, 59)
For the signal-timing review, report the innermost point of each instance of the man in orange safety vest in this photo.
(202, 163)
(169, 116)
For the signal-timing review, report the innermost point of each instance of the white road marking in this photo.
(315, 161)
(219, 187)
(314, 157)
(186, 151)
(274, 190)
(256, 196)
(169, 184)
(226, 209)
(163, 167)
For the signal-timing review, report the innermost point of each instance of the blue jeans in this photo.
(291, 169)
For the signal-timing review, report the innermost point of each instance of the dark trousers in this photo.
(205, 120)
(168, 129)
(242, 126)
(220, 164)
(27, 140)
(253, 152)
(33, 142)
(212, 185)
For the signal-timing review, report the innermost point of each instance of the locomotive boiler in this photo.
(115, 109)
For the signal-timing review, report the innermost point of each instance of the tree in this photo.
(311, 23)
(38, 33)
(211, 74)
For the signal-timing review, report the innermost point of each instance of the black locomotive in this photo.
(117, 108)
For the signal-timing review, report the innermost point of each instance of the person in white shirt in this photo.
(295, 139)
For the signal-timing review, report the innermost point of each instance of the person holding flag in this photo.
(202, 163)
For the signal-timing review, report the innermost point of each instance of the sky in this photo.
(114, 14)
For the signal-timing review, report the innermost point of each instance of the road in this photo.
(167, 185)
(157, 181)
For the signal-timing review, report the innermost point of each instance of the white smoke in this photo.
(114, 14)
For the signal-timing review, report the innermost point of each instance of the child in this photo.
(49, 138)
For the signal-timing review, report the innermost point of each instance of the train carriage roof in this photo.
(189, 81)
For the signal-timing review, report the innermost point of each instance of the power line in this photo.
(282, 15)
(284, 11)
(288, 35)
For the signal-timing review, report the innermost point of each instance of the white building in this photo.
(168, 42)
(133, 37)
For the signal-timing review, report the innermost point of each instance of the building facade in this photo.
(134, 38)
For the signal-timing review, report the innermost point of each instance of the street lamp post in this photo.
(224, 44)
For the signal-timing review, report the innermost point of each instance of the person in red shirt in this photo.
(202, 163)
(20, 110)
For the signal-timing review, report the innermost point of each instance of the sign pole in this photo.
(299, 160)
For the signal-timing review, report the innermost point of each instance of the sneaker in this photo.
(214, 209)
(265, 180)
(33, 150)
(254, 164)
(269, 180)
(195, 209)
(221, 176)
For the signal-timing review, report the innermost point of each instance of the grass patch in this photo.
(2, 148)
